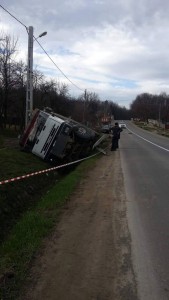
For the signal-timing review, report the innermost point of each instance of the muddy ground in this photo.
(89, 254)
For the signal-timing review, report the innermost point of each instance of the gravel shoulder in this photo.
(88, 255)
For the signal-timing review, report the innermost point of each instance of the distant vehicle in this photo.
(122, 125)
(106, 129)
(53, 137)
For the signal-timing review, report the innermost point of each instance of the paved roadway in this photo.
(146, 174)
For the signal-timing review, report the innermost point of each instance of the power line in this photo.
(57, 66)
(41, 47)
(13, 16)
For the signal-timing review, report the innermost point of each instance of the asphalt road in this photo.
(145, 164)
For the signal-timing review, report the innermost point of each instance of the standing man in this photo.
(116, 136)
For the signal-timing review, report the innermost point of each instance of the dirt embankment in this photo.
(89, 254)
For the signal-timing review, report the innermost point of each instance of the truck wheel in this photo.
(83, 134)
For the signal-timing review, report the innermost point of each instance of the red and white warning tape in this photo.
(44, 171)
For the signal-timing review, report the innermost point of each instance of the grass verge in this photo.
(17, 197)
(151, 128)
(1, 142)
(25, 239)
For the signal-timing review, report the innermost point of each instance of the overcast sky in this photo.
(117, 49)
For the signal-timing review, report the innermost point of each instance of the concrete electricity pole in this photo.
(84, 106)
(29, 86)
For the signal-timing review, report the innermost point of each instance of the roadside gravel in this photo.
(88, 255)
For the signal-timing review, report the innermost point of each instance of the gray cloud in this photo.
(101, 41)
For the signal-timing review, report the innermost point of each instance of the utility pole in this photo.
(84, 107)
(159, 114)
(29, 86)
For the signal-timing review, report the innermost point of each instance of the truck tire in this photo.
(83, 134)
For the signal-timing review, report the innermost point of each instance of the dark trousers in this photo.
(115, 144)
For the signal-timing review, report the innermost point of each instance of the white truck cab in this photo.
(51, 137)
(47, 136)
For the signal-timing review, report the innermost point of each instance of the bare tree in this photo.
(38, 79)
(7, 72)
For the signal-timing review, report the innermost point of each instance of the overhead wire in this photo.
(13, 16)
(41, 47)
(57, 66)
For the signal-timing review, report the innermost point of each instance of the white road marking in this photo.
(148, 141)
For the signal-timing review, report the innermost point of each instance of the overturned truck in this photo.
(56, 138)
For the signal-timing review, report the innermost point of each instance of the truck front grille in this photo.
(49, 140)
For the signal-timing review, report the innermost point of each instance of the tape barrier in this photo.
(45, 171)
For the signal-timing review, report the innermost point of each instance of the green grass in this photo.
(14, 163)
(156, 129)
(25, 239)
(148, 128)
(9, 132)
(16, 197)
(1, 141)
